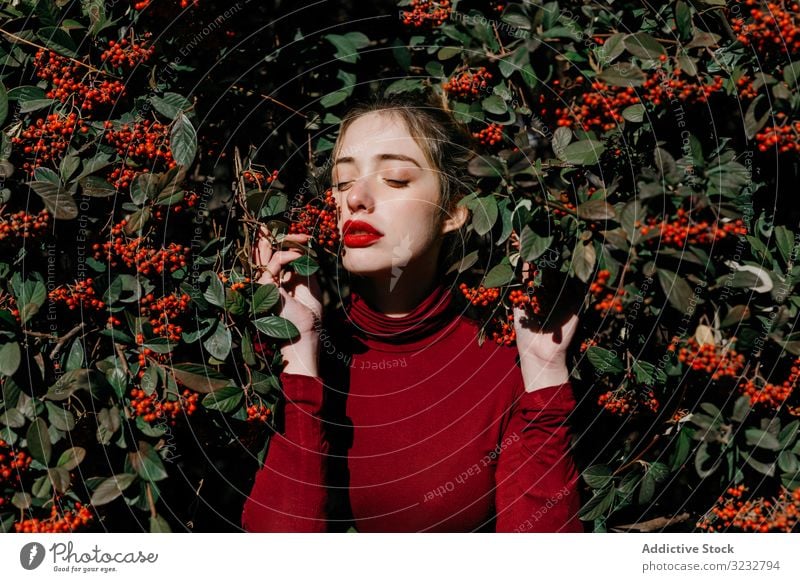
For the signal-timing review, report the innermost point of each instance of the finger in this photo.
(278, 260)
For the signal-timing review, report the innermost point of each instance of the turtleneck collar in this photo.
(434, 317)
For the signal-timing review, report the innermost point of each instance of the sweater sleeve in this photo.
(289, 492)
(536, 478)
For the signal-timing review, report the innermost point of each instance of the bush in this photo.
(636, 150)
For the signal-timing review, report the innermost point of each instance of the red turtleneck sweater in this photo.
(416, 428)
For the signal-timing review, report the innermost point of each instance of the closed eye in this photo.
(342, 185)
(398, 183)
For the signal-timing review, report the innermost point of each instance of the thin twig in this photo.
(248, 93)
(77, 62)
(69, 335)
(123, 360)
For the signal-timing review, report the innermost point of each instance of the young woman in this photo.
(395, 419)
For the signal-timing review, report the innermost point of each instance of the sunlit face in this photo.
(382, 177)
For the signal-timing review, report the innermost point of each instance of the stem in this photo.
(248, 93)
(69, 335)
(33, 44)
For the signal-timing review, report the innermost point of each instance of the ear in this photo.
(456, 219)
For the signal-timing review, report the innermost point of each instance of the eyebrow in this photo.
(381, 157)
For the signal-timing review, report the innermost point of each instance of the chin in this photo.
(359, 262)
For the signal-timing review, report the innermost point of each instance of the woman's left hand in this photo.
(543, 341)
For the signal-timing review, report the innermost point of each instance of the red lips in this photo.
(358, 233)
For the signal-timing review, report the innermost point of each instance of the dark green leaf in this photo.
(224, 400)
(38, 439)
(276, 327)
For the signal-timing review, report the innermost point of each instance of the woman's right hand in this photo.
(301, 300)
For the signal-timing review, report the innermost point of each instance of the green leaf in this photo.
(623, 75)
(276, 327)
(10, 357)
(71, 458)
(219, 343)
(598, 505)
(484, 214)
(171, 104)
(199, 378)
(215, 294)
(96, 187)
(147, 463)
(677, 290)
(112, 488)
(762, 439)
(532, 245)
(583, 153)
(159, 525)
(265, 298)
(57, 40)
(224, 400)
(598, 476)
(38, 439)
(501, 274)
(634, 113)
(304, 266)
(604, 360)
(753, 121)
(58, 201)
(495, 104)
(643, 45)
(683, 20)
(59, 417)
(183, 141)
(596, 209)
(584, 258)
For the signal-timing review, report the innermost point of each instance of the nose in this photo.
(359, 197)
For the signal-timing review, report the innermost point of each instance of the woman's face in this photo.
(382, 180)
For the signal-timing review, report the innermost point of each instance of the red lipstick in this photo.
(358, 233)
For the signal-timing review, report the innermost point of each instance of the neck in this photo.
(398, 297)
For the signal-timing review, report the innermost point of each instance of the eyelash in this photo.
(402, 183)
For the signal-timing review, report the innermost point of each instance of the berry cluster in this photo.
(319, 220)
(69, 81)
(503, 331)
(150, 408)
(769, 394)
(46, 139)
(82, 295)
(427, 12)
(481, 296)
(521, 298)
(610, 300)
(490, 135)
(259, 179)
(22, 225)
(258, 412)
(162, 311)
(189, 201)
(145, 144)
(684, 231)
(622, 401)
(784, 138)
(142, 4)
(134, 254)
(773, 32)
(712, 359)
(12, 464)
(600, 106)
(68, 521)
(468, 84)
(234, 286)
(757, 515)
(128, 54)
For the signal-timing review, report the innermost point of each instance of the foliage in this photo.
(636, 149)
